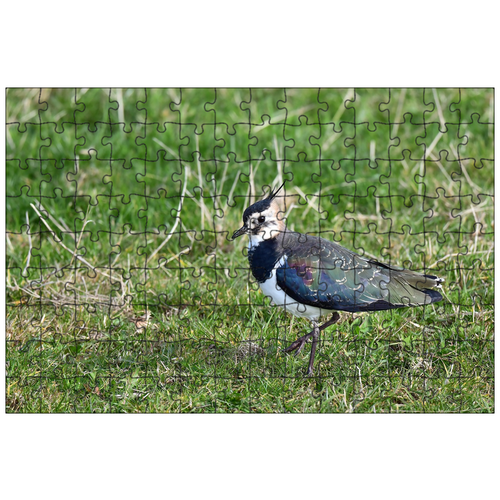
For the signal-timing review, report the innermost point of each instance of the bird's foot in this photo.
(299, 344)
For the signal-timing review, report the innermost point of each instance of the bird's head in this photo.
(263, 220)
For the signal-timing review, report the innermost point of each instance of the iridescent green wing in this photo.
(321, 273)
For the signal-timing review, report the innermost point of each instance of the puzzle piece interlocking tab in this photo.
(121, 204)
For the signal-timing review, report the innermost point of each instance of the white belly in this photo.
(271, 289)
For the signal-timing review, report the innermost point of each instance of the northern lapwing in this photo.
(310, 276)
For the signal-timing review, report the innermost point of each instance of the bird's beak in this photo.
(239, 232)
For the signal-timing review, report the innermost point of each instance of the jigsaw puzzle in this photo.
(363, 280)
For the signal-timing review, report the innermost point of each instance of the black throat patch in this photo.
(263, 257)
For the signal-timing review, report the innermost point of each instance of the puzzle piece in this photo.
(121, 204)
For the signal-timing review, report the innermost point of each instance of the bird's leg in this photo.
(315, 338)
(335, 317)
(314, 333)
(299, 343)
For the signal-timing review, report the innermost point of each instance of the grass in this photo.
(123, 200)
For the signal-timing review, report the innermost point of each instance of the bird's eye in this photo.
(261, 219)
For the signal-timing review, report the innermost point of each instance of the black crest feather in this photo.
(274, 193)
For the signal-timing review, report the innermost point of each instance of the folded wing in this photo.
(321, 273)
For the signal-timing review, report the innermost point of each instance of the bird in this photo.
(312, 277)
